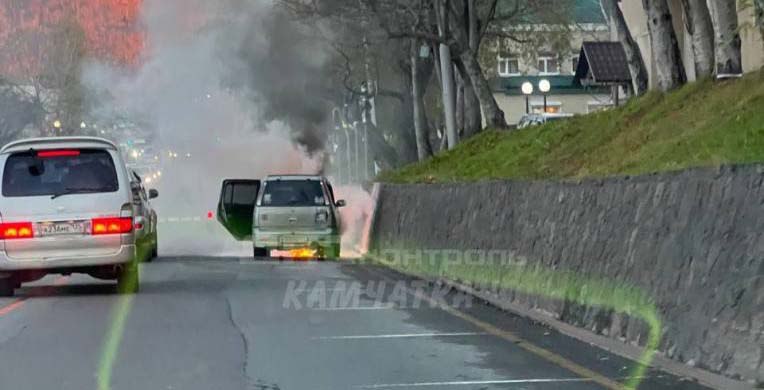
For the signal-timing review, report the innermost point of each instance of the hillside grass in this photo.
(705, 123)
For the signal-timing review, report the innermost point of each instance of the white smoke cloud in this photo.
(200, 94)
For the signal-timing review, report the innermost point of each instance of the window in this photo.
(53, 172)
(574, 64)
(293, 193)
(548, 65)
(551, 107)
(508, 66)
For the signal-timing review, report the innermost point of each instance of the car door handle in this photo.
(293, 219)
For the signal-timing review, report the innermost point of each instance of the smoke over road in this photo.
(231, 86)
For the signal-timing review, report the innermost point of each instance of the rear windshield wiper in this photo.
(70, 191)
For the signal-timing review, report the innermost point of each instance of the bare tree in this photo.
(62, 72)
(666, 55)
(18, 109)
(51, 69)
(469, 26)
(726, 37)
(637, 69)
(699, 25)
(758, 6)
(420, 78)
(442, 16)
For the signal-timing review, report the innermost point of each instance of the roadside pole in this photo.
(447, 72)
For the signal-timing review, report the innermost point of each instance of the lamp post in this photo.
(544, 87)
(527, 89)
(337, 119)
(365, 110)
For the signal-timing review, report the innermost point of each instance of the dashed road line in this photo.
(351, 308)
(517, 341)
(400, 336)
(467, 383)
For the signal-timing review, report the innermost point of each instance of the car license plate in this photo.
(61, 228)
(294, 240)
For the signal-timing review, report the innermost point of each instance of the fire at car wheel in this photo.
(128, 280)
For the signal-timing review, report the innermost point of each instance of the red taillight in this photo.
(58, 153)
(101, 226)
(15, 230)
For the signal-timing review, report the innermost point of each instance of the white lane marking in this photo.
(464, 383)
(399, 336)
(375, 307)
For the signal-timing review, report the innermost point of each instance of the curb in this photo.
(628, 351)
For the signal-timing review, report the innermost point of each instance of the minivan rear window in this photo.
(51, 172)
(293, 193)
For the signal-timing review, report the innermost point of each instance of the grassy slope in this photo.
(702, 124)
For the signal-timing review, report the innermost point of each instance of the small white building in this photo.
(554, 61)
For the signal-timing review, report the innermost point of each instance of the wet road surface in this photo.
(233, 323)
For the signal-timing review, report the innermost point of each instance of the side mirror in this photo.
(153, 194)
(340, 203)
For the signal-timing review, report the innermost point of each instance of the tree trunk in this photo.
(668, 60)
(726, 37)
(447, 72)
(758, 7)
(473, 119)
(420, 122)
(698, 22)
(494, 116)
(459, 103)
(639, 77)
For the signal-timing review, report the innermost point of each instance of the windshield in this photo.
(37, 174)
(293, 193)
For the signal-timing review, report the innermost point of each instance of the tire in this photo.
(260, 252)
(155, 252)
(128, 280)
(331, 252)
(7, 286)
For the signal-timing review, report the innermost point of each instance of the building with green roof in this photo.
(547, 45)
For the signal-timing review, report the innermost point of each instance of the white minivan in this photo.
(66, 206)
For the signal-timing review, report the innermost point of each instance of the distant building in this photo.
(751, 40)
(553, 60)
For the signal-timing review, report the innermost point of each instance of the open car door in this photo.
(237, 205)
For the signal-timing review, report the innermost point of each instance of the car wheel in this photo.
(261, 252)
(7, 285)
(128, 280)
(331, 252)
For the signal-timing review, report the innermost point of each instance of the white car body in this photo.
(64, 227)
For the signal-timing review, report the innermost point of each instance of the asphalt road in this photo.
(230, 323)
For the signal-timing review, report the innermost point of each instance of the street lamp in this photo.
(544, 87)
(57, 124)
(527, 89)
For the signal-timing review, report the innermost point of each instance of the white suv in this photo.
(66, 206)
